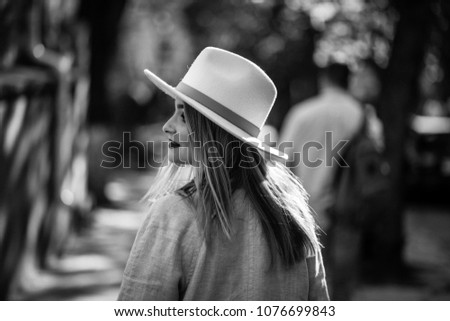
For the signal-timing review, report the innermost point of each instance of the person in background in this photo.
(317, 130)
(365, 85)
(237, 226)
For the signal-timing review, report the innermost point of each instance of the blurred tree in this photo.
(43, 95)
(443, 8)
(103, 18)
(352, 30)
(399, 97)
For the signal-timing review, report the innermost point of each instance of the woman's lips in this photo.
(173, 144)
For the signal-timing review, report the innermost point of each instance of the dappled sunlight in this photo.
(92, 264)
(120, 219)
(82, 263)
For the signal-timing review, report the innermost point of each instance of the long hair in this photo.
(224, 164)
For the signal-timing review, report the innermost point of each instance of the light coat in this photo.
(171, 261)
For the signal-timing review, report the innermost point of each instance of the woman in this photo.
(239, 228)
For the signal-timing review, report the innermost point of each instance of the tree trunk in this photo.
(103, 18)
(399, 97)
(445, 53)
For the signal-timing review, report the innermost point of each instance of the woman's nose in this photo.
(169, 127)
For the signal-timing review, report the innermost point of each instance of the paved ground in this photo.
(92, 267)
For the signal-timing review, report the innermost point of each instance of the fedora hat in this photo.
(229, 90)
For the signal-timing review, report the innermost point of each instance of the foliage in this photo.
(288, 38)
(353, 30)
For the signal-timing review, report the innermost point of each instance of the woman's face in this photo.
(177, 132)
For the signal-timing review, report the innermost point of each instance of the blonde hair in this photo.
(169, 179)
(276, 194)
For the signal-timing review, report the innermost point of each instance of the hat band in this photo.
(219, 109)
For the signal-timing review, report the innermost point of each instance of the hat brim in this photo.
(218, 120)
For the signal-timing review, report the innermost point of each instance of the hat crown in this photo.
(233, 82)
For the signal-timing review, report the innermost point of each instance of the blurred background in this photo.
(71, 80)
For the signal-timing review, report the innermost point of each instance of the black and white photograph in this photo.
(227, 150)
